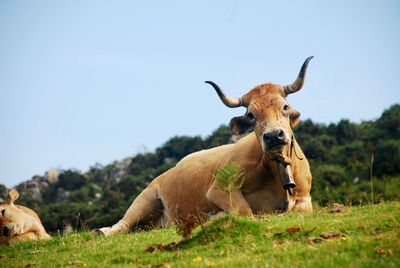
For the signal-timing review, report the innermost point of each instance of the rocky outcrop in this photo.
(36, 187)
(39, 187)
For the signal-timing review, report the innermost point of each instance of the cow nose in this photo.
(275, 138)
(5, 231)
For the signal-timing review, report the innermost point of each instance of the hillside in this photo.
(358, 236)
(340, 157)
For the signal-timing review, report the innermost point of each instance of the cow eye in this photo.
(286, 107)
(250, 116)
(3, 211)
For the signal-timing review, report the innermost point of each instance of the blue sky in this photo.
(94, 81)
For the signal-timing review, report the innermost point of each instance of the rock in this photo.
(62, 194)
(336, 208)
(51, 176)
(3, 193)
(120, 169)
(68, 230)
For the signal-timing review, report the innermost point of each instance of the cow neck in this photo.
(276, 165)
(268, 167)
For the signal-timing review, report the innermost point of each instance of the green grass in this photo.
(371, 238)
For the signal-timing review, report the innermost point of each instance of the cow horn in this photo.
(296, 86)
(228, 101)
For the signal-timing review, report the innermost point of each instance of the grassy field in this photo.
(367, 236)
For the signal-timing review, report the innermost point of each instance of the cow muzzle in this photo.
(275, 140)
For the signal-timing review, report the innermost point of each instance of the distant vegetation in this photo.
(340, 156)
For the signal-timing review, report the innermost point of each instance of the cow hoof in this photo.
(45, 236)
(105, 231)
(98, 232)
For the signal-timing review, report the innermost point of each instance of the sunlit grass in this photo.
(370, 237)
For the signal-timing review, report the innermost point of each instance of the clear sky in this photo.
(94, 81)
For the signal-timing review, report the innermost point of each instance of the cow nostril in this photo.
(281, 135)
(267, 138)
(4, 231)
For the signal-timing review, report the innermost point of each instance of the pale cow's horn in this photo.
(296, 86)
(228, 101)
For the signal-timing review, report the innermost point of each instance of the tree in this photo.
(345, 131)
(219, 137)
(178, 147)
(71, 180)
(390, 121)
(387, 159)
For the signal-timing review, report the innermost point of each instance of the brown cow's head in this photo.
(268, 114)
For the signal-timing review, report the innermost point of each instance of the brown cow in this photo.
(19, 223)
(267, 157)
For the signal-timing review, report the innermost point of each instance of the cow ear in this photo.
(12, 196)
(294, 118)
(241, 125)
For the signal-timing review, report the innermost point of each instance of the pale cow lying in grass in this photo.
(19, 223)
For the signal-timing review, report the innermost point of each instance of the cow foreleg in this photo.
(24, 237)
(145, 208)
(36, 227)
(303, 204)
(230, 202)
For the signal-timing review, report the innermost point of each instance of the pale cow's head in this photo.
(12, 218)
(268, 113)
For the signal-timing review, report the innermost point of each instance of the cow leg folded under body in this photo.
(25, 236)
(5, 241)
(39, 230)
(232, 203)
